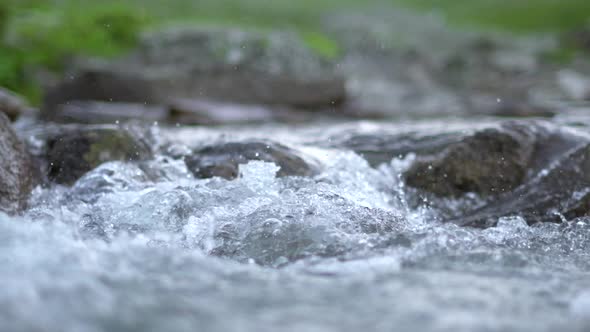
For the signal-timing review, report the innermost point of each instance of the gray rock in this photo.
(98, 81)
(532, 169)
(243, 66)
(560, 192)
(490, 162)
(215, 64)
(223, 160)
(17, 173)
(72, 151)
(11, 104)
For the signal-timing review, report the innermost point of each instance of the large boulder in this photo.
(560, 192)
(17, 173)
(491, 161)
(216, 64)
(72, 151)
(535, 170)
(243, 66)
(224, 159)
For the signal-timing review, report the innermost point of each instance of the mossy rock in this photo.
(76, 151)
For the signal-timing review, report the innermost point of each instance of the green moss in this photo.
(321, 44)
(44, 38)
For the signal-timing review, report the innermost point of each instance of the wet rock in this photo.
(73, 151)
(558, 193)
(98, 81)
(245, 66)
(11, 104)
(17, 174)
(490, 162)
(223, 160)
(216, 64)
(383, 147)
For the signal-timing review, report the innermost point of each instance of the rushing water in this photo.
(122, 250)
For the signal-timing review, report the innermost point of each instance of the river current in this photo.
(122, 250)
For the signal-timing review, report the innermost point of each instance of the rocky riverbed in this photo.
(229, 180)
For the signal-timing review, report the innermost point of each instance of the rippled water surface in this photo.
(341, 251)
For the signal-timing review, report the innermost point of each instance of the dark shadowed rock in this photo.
(73, 151)
(11, 104)
(98, 81)
(490, 162)
(558, 193)
(223, 160)
(17, 174)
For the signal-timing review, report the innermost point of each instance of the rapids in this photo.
(124, 250)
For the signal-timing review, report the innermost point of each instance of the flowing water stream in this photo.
(340, 251)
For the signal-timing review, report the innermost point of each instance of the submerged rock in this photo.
(11, 104)
(215, 64)
(17, 174)
(223, 160)
(73, 151)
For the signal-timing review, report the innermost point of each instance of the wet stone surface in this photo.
(223, 160)
(72, 151)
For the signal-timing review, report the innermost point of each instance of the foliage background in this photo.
(45, 33)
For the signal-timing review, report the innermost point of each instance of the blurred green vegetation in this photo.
(46, 33)
(522, 16)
